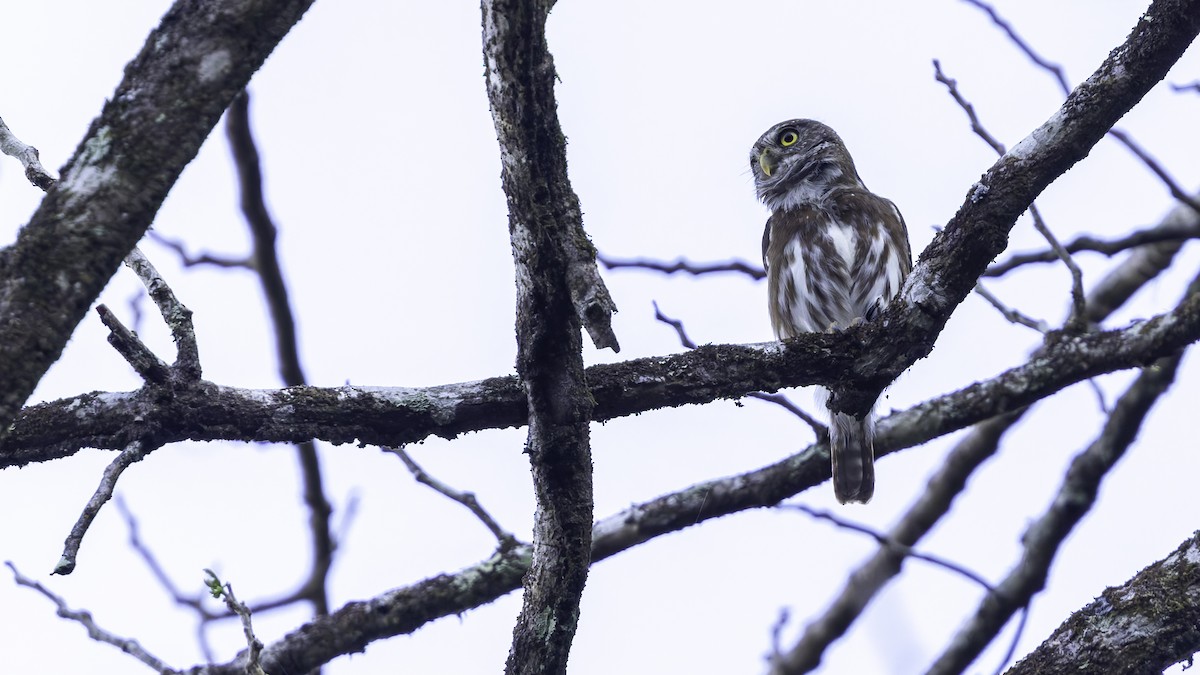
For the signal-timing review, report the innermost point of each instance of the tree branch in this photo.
(558, 287)
(1060, 77)
(950, 266)
(267, 267)
(1187, 228)
(1075, 498)
(379, 416)
(935, 501)
(1140, 627)
(404, 610)
(173, 92)
(84, 618)
(755, 272)
(504, 538)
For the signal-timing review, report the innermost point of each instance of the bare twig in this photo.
(135, 308)
(135, 352)
(1177, 230)
(266, 263)
(1013, 315)
(84, 618)
(777, 634)
(677, 324)
(108, 482)
(176, 315)
(889, 542)
(1051, 67)
(189, 260)
(1192, 87)
(1060, 77)
(225, 592)
(820, 430)
(683, 265)
(28, 155)
(976, 125)
(504, 538)
(1157, 169)
(1075, 321)
(868, 579)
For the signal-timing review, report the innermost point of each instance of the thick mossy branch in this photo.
(378, 415)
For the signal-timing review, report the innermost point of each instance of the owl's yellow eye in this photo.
(788, 137)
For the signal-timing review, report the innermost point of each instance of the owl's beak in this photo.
(766, 162)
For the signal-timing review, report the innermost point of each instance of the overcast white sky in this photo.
(383, 173)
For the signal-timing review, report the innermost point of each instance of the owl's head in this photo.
(798, 162)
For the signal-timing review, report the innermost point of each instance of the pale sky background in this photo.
(382, 172)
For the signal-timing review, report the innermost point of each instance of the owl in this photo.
(835, 253)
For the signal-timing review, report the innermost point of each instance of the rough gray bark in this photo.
(191, 66)
(382, 416)
(549, 249)
(1141, 627)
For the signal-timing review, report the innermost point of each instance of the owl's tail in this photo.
(852, 447)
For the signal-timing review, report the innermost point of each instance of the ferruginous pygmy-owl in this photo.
(835, 253)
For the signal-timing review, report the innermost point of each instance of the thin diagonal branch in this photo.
(1156, 168)
(819, 430)
(189, 260)
(135, 352)
(504, 538)
(224, 591)
(962, 461)
(1013, 315)
(1054, 69)
(1075, 321)
(1179, 230)
(136, 451)
(84, 618)
(1079, 308)
(270, 273)
(1060, 77)
(1075, 498)
(890, 543)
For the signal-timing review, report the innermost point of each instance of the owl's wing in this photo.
(899, 234)
(766, 244)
